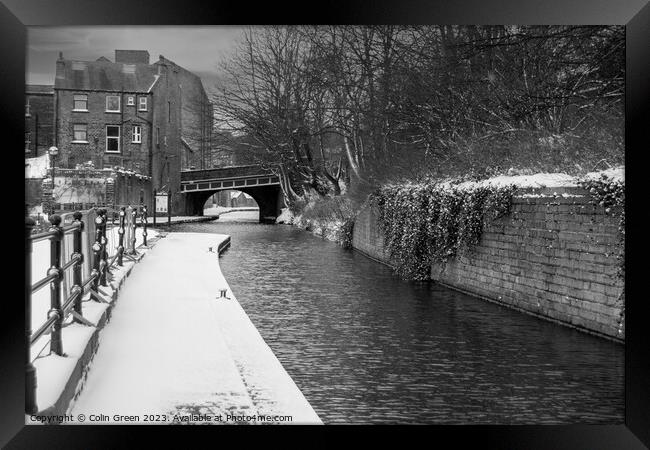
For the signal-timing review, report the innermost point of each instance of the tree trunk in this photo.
(351, 158)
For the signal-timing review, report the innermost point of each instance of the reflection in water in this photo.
(364, 346)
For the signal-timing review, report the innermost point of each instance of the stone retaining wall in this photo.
(554, 256)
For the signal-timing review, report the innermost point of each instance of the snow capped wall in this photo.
(37, 167)
(543, 180)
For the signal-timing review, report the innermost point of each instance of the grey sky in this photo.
(196, 48)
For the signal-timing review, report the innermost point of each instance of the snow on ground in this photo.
(53, 371)
(616, 173)
(172, 347)
(216, 210)
(285, 216)
(162, 220)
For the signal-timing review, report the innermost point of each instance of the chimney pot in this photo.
(132, 56)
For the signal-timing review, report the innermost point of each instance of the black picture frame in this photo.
(16, 15)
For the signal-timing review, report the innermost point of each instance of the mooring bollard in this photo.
(56, 344)
(76, 270)
(30, 370)
(97, 249)
(120, 232)
(143, 221)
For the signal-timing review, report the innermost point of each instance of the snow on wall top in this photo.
(541, 180)
(37, 167)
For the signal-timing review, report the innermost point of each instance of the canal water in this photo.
(367, 347)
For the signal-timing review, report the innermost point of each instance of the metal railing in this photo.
(79, 263)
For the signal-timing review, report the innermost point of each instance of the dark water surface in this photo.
(366, 347)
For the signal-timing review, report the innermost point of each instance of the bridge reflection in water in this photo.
(364, 346)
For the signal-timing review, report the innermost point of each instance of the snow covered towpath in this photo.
(174, 352)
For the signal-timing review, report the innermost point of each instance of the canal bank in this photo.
(58, 378)
(364, 346)
(177, 348)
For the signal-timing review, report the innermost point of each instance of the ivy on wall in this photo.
(609, 193)
(344, 233)
(426, 223)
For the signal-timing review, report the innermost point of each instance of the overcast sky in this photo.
(196, 48)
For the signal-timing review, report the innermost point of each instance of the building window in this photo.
(28, 141)
(80, 132)
(112, 138)
(27, 110)
(157, 135)
(137, 134)
(130, 100)
(142, 106)
(80, 102)
(112, 103)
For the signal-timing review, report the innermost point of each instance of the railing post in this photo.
(97, 250)
(143, 220)
(169, 207)
(76, 270)
(56, 344)
(134, 219)
(30, 370)
(103, 268)
(154, 208)
(120, 232)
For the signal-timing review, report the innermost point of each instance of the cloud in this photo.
(196, 48)
(40, 39)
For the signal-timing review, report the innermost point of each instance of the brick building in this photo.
(39, 119)
(151, 119)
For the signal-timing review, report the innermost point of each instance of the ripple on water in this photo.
(366, 347)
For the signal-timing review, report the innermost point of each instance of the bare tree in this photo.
(322, 104)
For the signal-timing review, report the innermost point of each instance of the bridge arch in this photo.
(232, 198)
(268, 198)
(259, 183)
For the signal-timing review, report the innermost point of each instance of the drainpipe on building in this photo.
(122, 148)
(56, 117)
(151, 143)
(35, 139)
(150, 168)
(56, 103)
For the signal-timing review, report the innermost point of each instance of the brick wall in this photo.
(196, 120)
(133, 156)
(367, 237)
(94, 187)
(33, 193)
(553, 256)
(167, 145)
(39, 124)
(132, 56)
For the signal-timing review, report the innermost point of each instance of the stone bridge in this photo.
(259, 183)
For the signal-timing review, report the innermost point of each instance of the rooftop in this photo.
(104, 75)
(39, 89)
